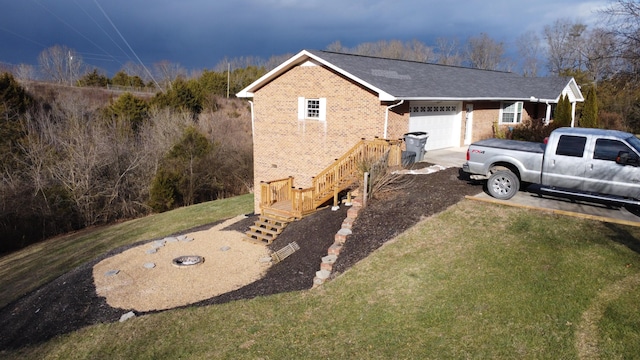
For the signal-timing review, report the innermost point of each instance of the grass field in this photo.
(476, 281)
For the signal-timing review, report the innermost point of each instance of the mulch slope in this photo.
(70, 302)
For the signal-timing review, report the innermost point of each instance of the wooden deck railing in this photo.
(275, 190)
(337, 177)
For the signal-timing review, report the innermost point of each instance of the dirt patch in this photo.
(71, 301)
(144, 278)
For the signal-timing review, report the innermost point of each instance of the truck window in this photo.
(570, 145)
(608, 149)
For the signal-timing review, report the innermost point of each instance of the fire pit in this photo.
(187, 260)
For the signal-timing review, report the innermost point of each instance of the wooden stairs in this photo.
(282, 203)
(266, 228)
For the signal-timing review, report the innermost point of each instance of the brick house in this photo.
(315, 106)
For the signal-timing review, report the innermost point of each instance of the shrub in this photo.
(164, 194)
(533, 130)
(381, 178)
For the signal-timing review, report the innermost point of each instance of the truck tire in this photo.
(503, 184)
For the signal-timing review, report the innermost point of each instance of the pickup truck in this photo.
(591, 164)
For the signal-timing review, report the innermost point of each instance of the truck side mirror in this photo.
(624, 158)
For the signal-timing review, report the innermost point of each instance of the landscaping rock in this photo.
(127, 316)
(111, 273)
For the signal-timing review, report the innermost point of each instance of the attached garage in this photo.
(441, 120)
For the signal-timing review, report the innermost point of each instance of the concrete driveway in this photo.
(533, 199)
(450, 157)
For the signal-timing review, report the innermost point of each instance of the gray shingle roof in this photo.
(415, 80)
(411, 80)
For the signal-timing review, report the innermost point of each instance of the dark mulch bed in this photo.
(70, 302)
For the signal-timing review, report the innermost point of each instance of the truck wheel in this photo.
(503, 184)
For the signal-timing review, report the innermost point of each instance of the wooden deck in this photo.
(281, 202)
(281, 196)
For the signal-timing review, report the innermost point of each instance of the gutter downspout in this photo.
(386, 117)
(252, 121)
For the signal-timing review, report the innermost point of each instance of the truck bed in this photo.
(528, 146)
(526, 156)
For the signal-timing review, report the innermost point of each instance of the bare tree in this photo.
(623, 20)
(485, 53)
(275, 61)
(448, 52)
(394, 49)
(61, 64)
(242, 62)
(574, 48)
(167, 72)
(158, 135)
(366, 49)
(80, 158)
(600, 48)
(566, 41)
(24, 72)
(530, 50)
(418, 51)
(336, 46)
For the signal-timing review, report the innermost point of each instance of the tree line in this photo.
(76, 157)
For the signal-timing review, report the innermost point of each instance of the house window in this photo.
(511, 112)
(312, 109)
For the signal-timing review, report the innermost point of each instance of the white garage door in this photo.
(441, 120)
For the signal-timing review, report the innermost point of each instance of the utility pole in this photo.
(70, 69)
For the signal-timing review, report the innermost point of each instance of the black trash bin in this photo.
(416, 141)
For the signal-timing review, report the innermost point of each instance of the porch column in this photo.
(547, 116)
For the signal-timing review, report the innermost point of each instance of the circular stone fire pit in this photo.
(187, 260)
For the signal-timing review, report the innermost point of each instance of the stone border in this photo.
(326, 266)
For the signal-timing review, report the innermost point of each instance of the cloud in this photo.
(198, 33)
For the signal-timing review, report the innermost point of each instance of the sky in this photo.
(199, 34)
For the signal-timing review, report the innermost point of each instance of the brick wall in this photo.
(285, 146)
(484, 115)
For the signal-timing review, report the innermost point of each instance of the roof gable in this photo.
(410, 80)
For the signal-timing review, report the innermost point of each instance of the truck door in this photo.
(563, 165)
(604, 176)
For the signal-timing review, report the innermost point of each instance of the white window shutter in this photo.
(302, 108)
(323, 109)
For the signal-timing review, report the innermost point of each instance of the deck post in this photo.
(335, 199)
(365, 189)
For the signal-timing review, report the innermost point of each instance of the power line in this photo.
(104, 31)
(127, 43)
(72, 28)
(22, 37)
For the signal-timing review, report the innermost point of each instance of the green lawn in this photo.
(476, 281)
